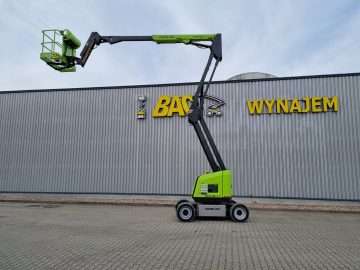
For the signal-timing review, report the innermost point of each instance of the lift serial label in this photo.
(304, 105)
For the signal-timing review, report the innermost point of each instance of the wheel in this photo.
(218, 113)
(239, 212)
(209, 113)
(179, 202)
(185, 211)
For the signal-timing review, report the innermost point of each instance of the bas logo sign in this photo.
(167, 106)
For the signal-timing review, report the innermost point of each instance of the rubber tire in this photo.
(235, 217)
(179, 202)
(182, 206)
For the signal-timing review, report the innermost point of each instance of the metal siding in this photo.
(91, 142)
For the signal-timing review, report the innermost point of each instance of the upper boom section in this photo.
(61, 55)
(186, 39)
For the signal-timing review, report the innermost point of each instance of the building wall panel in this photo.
(89, 141)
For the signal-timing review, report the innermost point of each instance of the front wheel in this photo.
(239, 212)
(185, 211)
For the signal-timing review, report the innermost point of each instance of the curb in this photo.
(43, 199)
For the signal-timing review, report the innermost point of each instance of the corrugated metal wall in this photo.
(89, 141)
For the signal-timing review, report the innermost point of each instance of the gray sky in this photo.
(281, 37)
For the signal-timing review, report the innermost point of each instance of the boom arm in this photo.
(196, 112)
(95, 39)
(67, 61)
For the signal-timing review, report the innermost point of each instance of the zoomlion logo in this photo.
(167, 106)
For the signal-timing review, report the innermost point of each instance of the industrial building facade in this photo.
(295, 137)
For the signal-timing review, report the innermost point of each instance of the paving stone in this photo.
(35, 236)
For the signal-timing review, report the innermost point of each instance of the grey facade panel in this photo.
(89, 141)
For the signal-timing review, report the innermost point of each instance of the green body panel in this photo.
(53, 57)
(216, 185)
(70, 39)
(62, 69)
(182, 38)
(70, 44)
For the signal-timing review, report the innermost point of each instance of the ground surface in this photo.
(43, 236)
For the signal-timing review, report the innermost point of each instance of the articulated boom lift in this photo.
(212, 192)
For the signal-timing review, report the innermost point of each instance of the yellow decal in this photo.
(176, 107)
(254, 105)
(184, 102)
(269, 105)
(168, 106)
(307, 105)
(282, 105)
(333, 103)
(295, 105)
(315, 104)
(162, 108)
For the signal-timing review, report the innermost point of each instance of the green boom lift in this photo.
(212, 192)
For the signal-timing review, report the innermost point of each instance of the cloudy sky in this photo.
(281, 37)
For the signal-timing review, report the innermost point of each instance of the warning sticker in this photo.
(204, 189)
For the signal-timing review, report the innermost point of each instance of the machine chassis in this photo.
(189, 210)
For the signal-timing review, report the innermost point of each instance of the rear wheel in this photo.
(179, 202)
(239, 212)
(185, 211)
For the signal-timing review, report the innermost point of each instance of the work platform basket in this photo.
(58, 48)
